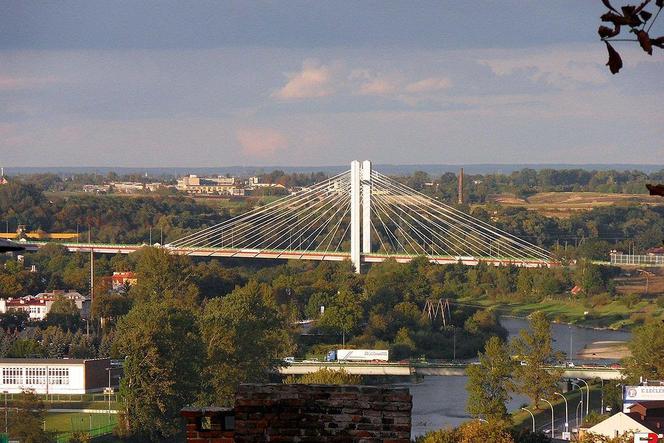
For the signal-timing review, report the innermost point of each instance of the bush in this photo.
(325, 376)
(80, 437)
(630, 300)
(660, 301)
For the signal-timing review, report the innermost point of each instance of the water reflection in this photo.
(441, 401)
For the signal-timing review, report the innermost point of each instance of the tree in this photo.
(164, 276)
(344, 314)
(488, 381)
(162, 349)
(446, 435)
(64, 314)
(534, 348)
(477, 431)
(245, 337)
(25, 422)
(588, 277)
(647, 347)
(13, 321)
(326, 376)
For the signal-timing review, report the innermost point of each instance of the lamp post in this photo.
(553, 431)
(108, 392)
(531, 415)
(566, 412)
(587, 394)
(6, 427)
(579, 421)
(601, 410)
(580, 400)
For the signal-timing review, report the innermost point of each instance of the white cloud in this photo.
(314, 80)
(8, 83)
(261, 142)
(430, 84)
(553, 66)
(378, 86)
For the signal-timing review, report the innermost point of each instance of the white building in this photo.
(38, 306)
(618, 425)
(56, 376)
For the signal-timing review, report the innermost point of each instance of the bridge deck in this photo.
(438, 370)
(289, 254)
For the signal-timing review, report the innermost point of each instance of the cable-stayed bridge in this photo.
(361, 215)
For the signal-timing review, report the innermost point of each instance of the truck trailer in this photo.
(358, 355)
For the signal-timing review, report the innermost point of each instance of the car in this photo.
(569, 364)
(289, 360)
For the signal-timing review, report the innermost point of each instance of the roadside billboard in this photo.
(635, 394)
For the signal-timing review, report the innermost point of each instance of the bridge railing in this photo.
(631, 259)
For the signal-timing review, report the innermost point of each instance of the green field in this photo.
(612, 315)
(77, 421)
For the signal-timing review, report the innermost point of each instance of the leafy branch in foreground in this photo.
(639, 22)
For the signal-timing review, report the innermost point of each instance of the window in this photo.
(12, 376)
(35, 376)
(58, 376)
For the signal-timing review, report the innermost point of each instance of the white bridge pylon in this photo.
(366, 217)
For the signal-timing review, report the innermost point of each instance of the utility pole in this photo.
(460, 187)
(92, 269)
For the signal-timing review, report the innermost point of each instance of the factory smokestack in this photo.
(460, 190)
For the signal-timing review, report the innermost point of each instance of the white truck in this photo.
(358, 355)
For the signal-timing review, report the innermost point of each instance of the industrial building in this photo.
(57, 376)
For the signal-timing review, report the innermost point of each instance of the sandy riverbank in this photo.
(604, 350)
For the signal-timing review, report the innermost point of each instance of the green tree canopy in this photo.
(647, 359)
(344, 314)
(245, 337)
(26, 419)
(489, 381)
(163, 355)
(64, 314)
(534, 348)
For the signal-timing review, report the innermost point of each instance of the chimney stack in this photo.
(460, 190)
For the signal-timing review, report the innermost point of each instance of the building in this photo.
(194, 184)
(128, 187)
(57, 376)
(617, 425)
(643, 412)
(642, 418)
(120, 281)
(38, 306)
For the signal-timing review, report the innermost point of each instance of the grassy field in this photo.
(563, 204)
(612, 315)
(77, 421)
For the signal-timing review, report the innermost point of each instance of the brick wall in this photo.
(209, 425)
(310, 413)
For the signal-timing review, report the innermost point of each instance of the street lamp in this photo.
(587, 394)
(579, 422)
(533, 417)
(580, 401)
(552, 419)
(601, 408)
(566, 411)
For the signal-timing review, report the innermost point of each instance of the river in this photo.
(441, 401)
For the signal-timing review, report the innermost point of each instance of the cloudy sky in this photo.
(220, 83)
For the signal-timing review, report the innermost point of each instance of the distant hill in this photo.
(384, 168)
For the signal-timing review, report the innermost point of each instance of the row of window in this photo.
(34, 376)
